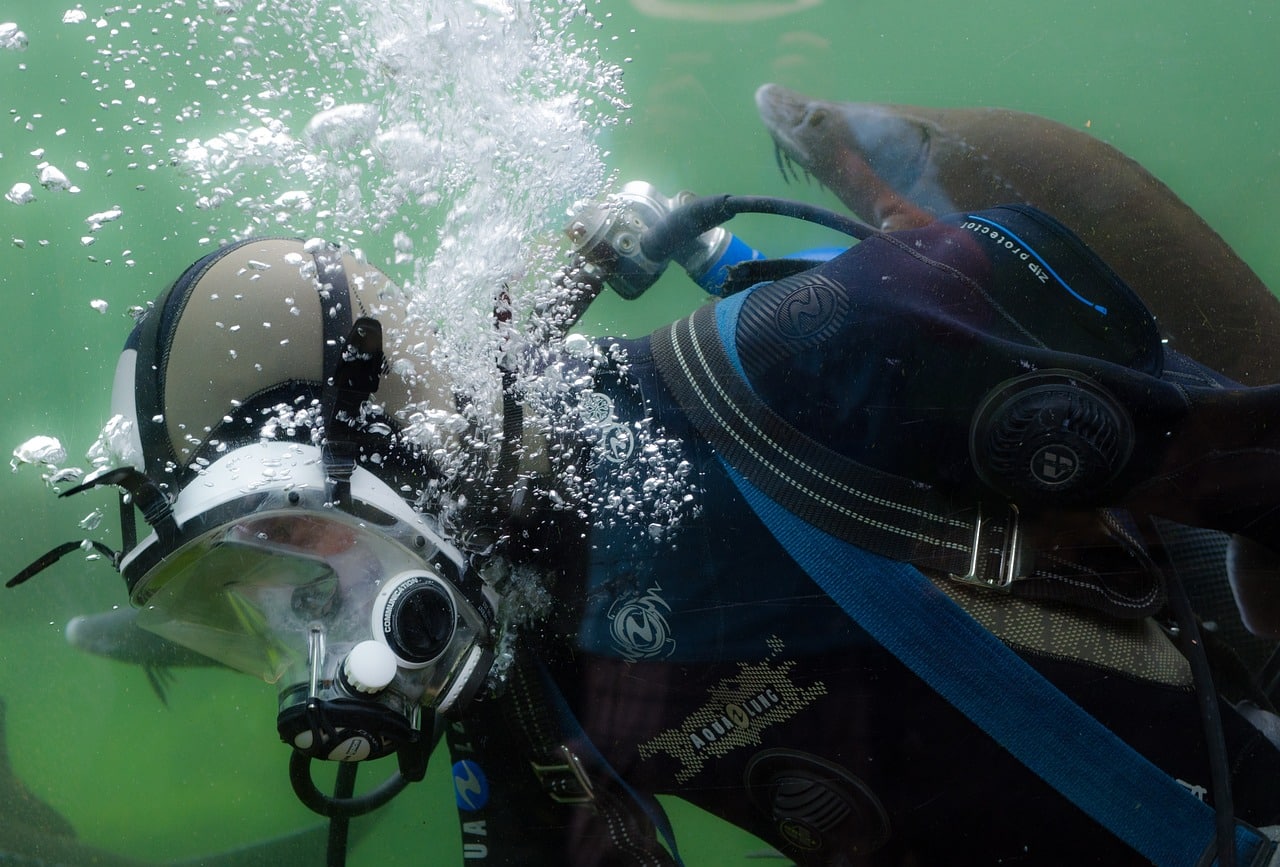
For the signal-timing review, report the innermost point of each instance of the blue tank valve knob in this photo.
(718, 250)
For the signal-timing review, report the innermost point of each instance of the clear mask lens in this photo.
(253, 593)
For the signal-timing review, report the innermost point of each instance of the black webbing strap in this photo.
(891, 516)
(350, 374)
(572, 773)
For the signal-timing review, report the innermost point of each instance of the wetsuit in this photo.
(692, 657)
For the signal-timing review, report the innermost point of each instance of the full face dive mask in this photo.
(359, 614)
(281, 542)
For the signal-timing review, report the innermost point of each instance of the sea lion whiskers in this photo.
(781, 158)
(790, 169)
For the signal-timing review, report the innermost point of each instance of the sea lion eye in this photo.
(816, 117)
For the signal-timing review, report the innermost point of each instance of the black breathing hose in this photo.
(1207, 700)
(1210, 718)
(662, 241)
(343, 788)
(337, 806)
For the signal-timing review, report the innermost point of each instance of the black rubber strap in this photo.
(340, 391)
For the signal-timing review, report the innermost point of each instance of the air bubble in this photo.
(98, 220)
(12, 38)
(51, 178)
(44, 450)
(21, 194)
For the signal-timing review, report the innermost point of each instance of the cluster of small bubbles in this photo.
(475, 127)
(632, 475)
(652, 491)
(285, 420)
(525, 600)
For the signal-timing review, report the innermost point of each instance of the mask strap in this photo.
(354, 379)
(128, 523)
(506, 471)
(353, 360)
(54, 555)
(144, 493)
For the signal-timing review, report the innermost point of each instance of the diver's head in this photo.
(261, 412)
(245, 345)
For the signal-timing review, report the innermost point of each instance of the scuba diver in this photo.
(909, 602)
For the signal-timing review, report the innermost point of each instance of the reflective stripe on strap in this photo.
(895, 517)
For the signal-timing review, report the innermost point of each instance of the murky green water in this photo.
(1189, 89)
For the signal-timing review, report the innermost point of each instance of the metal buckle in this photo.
(1012, 553)
(560, 780)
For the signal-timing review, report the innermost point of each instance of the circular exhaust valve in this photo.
(369, 667)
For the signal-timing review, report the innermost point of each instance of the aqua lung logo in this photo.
(471, 791)
(617, 441)
(737, 712)
(470, 786)
(807, 309)
(1054, 465)
(594, 407)
(638, 625)
(735, 717)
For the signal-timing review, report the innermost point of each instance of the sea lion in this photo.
(115, 634)
(898, 166)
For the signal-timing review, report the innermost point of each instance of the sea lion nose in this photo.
(781, 104)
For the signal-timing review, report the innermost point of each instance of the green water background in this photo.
(1189, 89)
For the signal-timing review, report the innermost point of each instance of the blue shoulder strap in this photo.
(996, 689)
(1006, 697)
